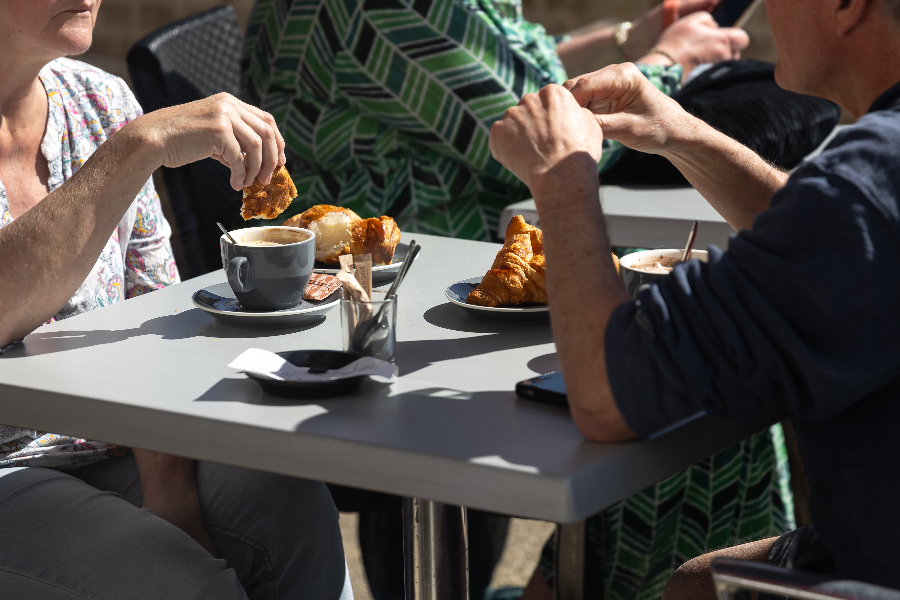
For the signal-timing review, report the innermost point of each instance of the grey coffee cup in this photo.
(268, 278)
(634, 278)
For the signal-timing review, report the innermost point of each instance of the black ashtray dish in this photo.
(316, 360)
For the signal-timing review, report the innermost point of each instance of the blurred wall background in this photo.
(122, 22)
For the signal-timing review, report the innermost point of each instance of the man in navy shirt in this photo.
(802, 311)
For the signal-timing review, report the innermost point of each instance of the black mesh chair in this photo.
(736, 579)
(188, 60)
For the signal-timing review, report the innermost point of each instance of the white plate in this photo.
(380, 273)
(529, 313)
(219, 301)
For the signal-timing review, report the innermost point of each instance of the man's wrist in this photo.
(577, 172)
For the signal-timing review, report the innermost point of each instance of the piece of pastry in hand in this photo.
(341, 231)
(517, 275)
(376, 236)
(269, 201)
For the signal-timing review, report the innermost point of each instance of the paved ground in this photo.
(520, 556)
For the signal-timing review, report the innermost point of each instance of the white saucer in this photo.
(219, 301)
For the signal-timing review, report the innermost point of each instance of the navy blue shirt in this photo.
(803, 311)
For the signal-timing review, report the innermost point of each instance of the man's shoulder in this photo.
(865, 155)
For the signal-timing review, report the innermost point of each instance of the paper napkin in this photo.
(268, 364)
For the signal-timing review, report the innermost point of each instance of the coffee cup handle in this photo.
(234, 274)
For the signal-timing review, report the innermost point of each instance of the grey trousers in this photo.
(80, 534)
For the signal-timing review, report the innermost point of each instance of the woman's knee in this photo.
(97, 545)
(693, 580)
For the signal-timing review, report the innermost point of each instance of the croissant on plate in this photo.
(517, 275)
(269, 201)
(340, 231)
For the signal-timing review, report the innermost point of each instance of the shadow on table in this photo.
(449, 316)
(182, 325)
(494, 428)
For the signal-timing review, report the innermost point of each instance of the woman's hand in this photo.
(697, 39)
(242, 137)
(647, 30)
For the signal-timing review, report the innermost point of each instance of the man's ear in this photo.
(850, 13)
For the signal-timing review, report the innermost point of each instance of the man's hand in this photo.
(629, 108)
(544, 130)
(732, 178)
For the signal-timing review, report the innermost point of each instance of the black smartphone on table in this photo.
(548, 388)
(734, 13)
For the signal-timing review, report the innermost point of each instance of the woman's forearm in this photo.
(49, 250)
(589, 51)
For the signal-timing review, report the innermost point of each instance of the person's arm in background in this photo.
(691, 40)
(732, 178)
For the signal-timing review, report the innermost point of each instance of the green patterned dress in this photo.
(386, 105)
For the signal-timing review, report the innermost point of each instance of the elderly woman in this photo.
(81, 228)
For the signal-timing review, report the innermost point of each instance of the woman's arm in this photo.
(49, 250)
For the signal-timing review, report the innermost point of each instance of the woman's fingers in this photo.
(271, 154)
(233, 158)
(252, 146)
(269, 120)
(738, 39)
(686, 7)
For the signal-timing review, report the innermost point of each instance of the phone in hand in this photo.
(734, 13)
(548, 388)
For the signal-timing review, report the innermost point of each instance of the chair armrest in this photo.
(732, 575)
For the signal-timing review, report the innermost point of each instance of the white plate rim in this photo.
(251, 315)
(495, 309)
(375, 269)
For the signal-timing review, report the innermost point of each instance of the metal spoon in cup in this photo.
(228, 235)
(370, 335)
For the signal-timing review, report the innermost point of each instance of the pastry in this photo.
(517, 275)
(376, 236)
(269, 201)
(341, 231)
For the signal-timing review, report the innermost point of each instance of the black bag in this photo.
(741, 99)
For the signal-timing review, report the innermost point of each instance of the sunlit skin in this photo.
(55, 238)
(845, 50)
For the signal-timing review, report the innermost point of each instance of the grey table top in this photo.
(151, 372)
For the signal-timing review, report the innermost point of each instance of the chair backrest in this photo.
(188, 60)
(734, 579)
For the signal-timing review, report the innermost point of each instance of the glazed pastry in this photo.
(517, 275)
(377, 236)
(269, 201)
(341, 231)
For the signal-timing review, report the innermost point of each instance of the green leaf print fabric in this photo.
(386, 105)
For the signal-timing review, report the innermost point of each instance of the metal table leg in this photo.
(568, 583)
(436, 550)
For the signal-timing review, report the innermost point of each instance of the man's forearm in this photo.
(584, 291)
(733, 179)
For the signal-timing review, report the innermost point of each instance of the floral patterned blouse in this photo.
(86, 106)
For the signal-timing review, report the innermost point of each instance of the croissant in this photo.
(517, 275)
(377, 236)
(269, 201)
(340, 231)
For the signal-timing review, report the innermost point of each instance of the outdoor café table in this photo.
(449, 432)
